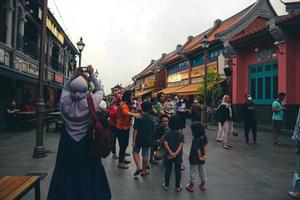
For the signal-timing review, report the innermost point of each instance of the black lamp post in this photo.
(80, 46)
(205, 46)
(39, 149)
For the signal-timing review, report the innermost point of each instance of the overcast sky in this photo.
(122, 36)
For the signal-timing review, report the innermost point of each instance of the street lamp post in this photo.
(39, 149)
(80, 46)
(205, 45)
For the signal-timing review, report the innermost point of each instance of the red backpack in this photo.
(102, 140)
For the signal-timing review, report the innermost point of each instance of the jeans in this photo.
(201, 170)
(123, 138)
(169, 165)
(114, 131)
(250, 125)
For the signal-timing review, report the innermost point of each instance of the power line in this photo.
(62, 20)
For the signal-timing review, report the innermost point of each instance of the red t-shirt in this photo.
(123, 119)
(113, 112)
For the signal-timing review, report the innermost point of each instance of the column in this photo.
(9, 17)
(282, 70)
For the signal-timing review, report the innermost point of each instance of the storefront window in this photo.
(263, 82)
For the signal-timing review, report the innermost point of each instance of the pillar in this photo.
(282, 70)
(9, 20)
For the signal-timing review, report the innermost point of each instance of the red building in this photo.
(266, 62)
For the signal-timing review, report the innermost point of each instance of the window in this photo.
(263, 82)
(182, 66)
(198, 60)
(172, 69)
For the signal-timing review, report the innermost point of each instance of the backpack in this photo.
(101, 136)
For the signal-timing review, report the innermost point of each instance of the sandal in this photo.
(226, 147)
(145, 173)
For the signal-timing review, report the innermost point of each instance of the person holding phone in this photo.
(278, 116)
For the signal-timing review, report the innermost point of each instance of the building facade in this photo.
(20, 25)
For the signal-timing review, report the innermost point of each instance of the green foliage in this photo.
(214, 90)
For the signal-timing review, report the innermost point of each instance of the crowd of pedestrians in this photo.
(158, 134)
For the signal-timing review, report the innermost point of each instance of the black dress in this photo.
(76, 176)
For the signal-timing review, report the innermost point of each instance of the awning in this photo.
(192, 89)
(171, 90)
(141, 93)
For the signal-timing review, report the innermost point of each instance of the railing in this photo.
(2, 33)
(27, 46)
(56, 65)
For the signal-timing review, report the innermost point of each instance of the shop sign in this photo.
(197, 72)
(174, 78)
(52, 27)
(2, 56)
(27, 67)
(149, 83)
(184, 75)
(59, 78)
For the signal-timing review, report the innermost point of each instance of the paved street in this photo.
(260, 172)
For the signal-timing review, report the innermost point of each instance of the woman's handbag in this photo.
(101, 136)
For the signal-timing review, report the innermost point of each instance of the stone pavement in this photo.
(256, 172)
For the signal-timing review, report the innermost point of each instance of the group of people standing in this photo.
(158, 126)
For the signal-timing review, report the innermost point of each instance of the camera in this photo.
(82, 69)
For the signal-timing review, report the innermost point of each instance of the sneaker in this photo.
(122, 166)
(190, 187)
(277, 144)
(166, 188)
(126, 161)
(137, 172)
(182, 167)
(127, 154)
(115, 156)
(178, 189)
(219, 140)
(202, 186)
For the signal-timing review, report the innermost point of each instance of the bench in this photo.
(15, 187)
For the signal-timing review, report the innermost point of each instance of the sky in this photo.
(123, 36)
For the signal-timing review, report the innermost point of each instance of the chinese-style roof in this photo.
(219, 26)
(194, 44)
(256, 26)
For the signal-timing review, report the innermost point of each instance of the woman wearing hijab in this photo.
(124, 116)
(77, 176)
(225, 118)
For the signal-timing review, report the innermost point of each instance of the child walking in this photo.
(173, 143)
(142, 139)
(197, 157)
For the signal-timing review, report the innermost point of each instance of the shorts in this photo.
(277, 124)
(145, 150)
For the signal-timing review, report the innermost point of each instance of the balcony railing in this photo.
(27, 46)
(56, 65)
(2, 33)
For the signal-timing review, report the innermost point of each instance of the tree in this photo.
(214, 90)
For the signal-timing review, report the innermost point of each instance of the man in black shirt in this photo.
(248, 110)
(142, 138)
